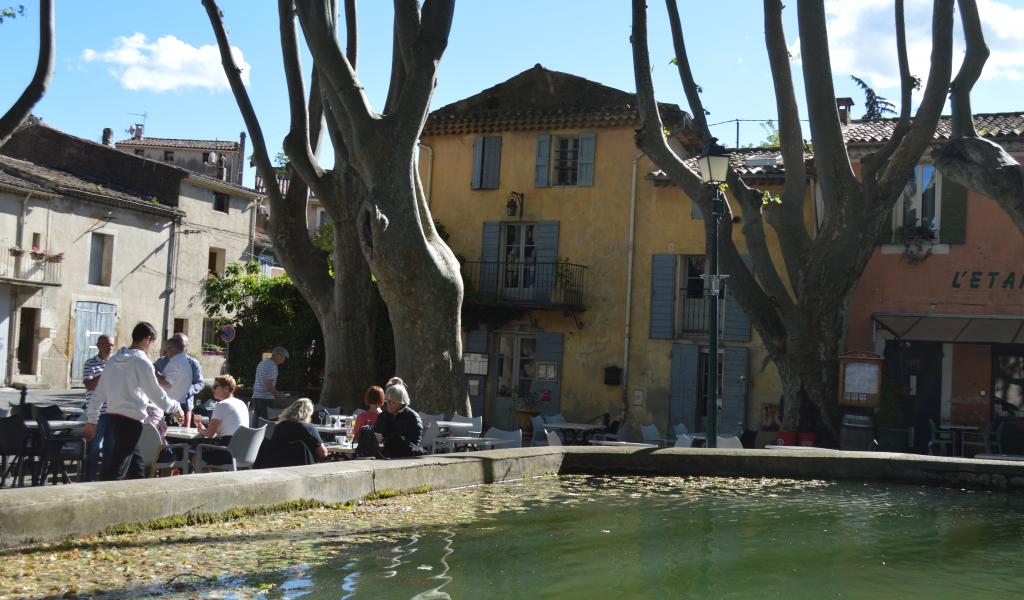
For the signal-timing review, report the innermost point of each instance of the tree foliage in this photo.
(875, 106)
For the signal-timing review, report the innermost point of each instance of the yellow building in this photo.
(582, 263)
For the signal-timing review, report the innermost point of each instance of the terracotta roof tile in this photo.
(152, 142)
(753, 164)
(991, 125)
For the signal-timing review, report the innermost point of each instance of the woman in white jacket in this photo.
(127, 386)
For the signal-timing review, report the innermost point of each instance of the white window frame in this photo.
(915, 201)
(555, 143)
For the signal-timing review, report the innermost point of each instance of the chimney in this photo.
(108, 136)
(844, 105)
(241, 157)
(137, 131)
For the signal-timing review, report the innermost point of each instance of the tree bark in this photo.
(22, 107)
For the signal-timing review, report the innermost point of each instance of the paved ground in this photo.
(9, 396)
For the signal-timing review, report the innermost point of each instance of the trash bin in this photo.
(856, 432)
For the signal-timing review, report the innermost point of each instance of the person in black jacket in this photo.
(399, 429)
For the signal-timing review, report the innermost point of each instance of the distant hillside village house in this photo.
(583, 268)
(99, 238)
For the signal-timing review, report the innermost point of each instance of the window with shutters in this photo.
(692, 310)
(917, 214)
(566, 161)
(486, 163)
(519, 267)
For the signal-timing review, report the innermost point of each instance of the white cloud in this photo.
(167, 64)
(862, 40)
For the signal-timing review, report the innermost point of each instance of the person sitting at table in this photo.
(228, 414)
(374, 400)
(293, 426)
(399, 429)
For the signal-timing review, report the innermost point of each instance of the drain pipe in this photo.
(629, 290)
(172, 275)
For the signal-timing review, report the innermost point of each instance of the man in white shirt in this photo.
(127, 386)
(177, 373)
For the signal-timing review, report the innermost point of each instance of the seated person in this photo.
(293, 426)
(399, 429)
(374, 400)
(228, 414)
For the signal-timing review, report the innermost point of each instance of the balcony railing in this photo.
(529, 285)
(25, 268)
(693, 317)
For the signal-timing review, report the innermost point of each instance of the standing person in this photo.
(104, 439)
(127, 386)
(264, 386)
(179, 343)
(399, 429)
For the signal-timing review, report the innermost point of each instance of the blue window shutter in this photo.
(543, 160)
(585, 168)
(733, 418)
(478, 159)
(953, 225)
(476, 341)
(684, 386)
(549, 349)
(546, 238)
(489, 257)
(695, 210)
(492, 163)
(663, 296)
(736, 321)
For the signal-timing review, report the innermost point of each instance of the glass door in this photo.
(520, 258)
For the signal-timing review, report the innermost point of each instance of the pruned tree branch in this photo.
(35, 89)
(690, 87)
(787, 218)
(315, 267)
(297, 143)
(970, 70)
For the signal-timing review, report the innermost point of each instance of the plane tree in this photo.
(34, 90)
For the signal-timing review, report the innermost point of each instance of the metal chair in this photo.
(652, 435)
(430, 433)
(56, 451)
(683, 441)
(729, 441)
(477, 422)
(510, 439)
(624, 432)
(150, 444)
(14, 442)
(554, 419)
(540, 435)
(941, 439)
(988, 439)
(270, 425)
(680, 429)
(243, 448)
(553, 439)
(50, 412)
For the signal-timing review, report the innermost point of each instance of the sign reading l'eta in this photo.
(988, 280)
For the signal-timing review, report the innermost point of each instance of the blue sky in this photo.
(118, 57)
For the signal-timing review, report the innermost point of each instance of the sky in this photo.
(119, 59)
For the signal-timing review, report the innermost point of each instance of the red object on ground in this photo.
(807, 439)
(785, 438)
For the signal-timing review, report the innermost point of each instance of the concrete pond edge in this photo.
(48, 514)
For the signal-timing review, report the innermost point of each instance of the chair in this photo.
(358, 412)
(554, 419)
(430, 433)
(426, 419)
(150, 444)
(553, 439)
(729, 441)
(243, 447)
(623, 434)
(941, 439)
(988, 439)
(14, 442)
(477, 422)
(56, 451)
(651, 435)
(540, 435)
(510, 439)
(680, 429)
(50, 412)
(683, 441)
(270, 425)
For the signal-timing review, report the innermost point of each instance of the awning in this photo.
(961, 328)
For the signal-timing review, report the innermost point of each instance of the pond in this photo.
(571, 537)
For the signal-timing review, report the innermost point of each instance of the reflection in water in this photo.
(640, 537)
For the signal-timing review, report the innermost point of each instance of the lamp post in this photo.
(713, 164)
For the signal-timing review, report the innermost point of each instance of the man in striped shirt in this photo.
(264, 386)
(90, 378)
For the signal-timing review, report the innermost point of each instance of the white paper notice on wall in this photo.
(476, 364)
(913, 385)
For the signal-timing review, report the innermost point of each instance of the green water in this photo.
(671, 538)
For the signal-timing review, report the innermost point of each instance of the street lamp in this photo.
(713, 164)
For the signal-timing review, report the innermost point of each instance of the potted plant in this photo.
(55, 258)
(37, 254)
(917, 238)
(892, 429)
(16, 251)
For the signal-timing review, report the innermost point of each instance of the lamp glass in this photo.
(713, 163)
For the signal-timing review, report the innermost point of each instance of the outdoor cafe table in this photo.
(623, 444)
(958, 435)
(460, 443)
(55, 425)
(182, 433)
(454, 426)
(575, 433)
(343, 451)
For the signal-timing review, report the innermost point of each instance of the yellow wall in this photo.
(593, 231)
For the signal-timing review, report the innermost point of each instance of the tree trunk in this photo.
(406, 255)
(982, 165)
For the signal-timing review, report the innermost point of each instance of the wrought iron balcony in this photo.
(25, 269)
(527, 285)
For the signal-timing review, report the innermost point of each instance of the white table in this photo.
(55, 425)
(182, 433)
(622, 444)
(454, 425)
(340, 450)
(576, 433)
